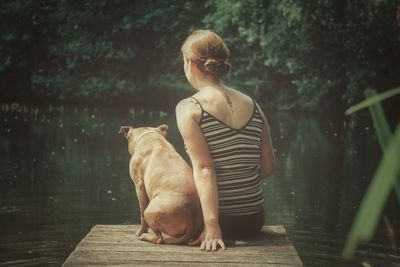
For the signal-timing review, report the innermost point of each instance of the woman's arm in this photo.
(267, 167)
(188, 116)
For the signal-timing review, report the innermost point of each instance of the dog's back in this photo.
(173, 206)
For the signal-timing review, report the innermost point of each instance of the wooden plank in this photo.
(278, 229)
(177, 264)
(190, 250)
(117, 245)
(90, 257)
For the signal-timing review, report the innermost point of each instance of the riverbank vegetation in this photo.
(288, 54)
(385, 179)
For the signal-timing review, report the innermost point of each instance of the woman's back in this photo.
(235, 148)
(228, 105)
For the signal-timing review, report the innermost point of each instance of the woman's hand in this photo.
(209, 240)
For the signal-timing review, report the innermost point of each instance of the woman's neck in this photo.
(210, 83)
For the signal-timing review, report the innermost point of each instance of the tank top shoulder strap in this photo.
(198, 103)
(258, 108)
(255, 103)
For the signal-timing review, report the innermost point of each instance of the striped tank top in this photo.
(236, 154)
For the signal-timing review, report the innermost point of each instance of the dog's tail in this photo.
(182, 240)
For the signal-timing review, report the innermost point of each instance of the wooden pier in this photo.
(117, 245)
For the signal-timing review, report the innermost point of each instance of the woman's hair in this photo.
(208, 51)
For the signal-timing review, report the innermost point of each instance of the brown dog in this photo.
(165, 188)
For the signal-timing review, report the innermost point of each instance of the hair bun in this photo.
(218, 67)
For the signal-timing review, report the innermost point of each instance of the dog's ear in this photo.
(124, 130)
(163, 128)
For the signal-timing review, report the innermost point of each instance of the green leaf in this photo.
(373, 100)
(378, 117)
(373, 202)
(382, 129)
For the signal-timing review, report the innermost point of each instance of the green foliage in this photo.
(290, 54)
(386, 176)
(316, 52)
(93, 49)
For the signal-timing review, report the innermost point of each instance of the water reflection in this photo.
(64, 169)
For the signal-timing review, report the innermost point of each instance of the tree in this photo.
(289, 54)
(310, 54)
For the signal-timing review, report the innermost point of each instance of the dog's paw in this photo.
(151, 238)
(141, 231)
(143, 237)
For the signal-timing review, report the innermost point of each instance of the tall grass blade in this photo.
(373, 100)
(380, 123)
(382, 130)
(378, 117)
(373, 202)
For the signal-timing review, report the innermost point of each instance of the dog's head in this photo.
(133, 134)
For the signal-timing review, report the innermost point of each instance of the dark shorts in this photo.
(233, 226)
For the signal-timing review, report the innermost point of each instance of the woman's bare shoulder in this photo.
(241, 97)
(188, 108)
(205, 97)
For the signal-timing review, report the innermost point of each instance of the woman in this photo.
(228, 141)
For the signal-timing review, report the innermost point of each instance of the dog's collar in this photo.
(143, 134)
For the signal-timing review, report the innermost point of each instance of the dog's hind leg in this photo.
(143, 203)
(155, 216)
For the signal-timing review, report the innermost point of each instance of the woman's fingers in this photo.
(203, 245)
(214, 245)
(221, 243)
(208, 245)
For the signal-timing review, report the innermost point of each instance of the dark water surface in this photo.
(65, 169)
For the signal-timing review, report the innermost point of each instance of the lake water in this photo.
(65, 169)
